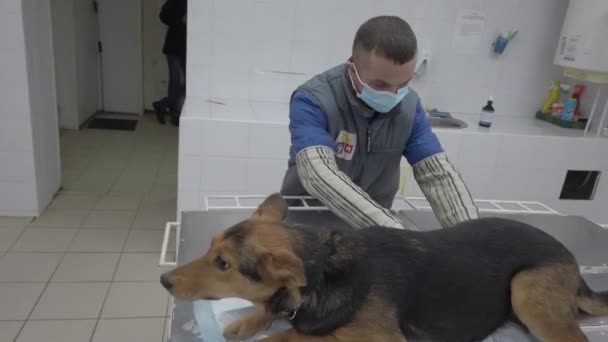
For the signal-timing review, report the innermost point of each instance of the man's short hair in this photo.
(389, 36)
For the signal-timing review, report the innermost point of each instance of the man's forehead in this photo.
(376, 67)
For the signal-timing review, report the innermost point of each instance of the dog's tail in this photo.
(591, 302)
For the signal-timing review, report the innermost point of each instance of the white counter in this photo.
(235, 146)
(514, 124)
(278, 113)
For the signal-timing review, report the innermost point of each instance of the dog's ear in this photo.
(341, 252)
(281, 268)
(274, 208)
(284, 271)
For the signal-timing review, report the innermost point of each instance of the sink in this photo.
(446, 122)
(438, 122)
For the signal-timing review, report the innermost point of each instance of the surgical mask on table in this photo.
(510, 333)
(379, 100)
(213, 316)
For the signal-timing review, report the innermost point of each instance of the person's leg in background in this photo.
(168, 105)
(180, 90)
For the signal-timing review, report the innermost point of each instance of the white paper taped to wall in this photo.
(469, 30)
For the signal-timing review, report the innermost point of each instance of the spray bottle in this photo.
(554, 93)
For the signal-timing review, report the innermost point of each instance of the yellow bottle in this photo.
(554, 94)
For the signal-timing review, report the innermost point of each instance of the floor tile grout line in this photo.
(77, 226)
(167, 308)
(161, 157)
(96, 195)
(109, 190)
(79, 252)
(46, 286)
(80, 282)
(45, 252)
(83, 319)
(20, 328)
(113, 277)
(23, 229)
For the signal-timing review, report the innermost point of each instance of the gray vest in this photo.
(367, 152)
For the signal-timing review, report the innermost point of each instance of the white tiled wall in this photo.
(533, 168)
(75, 37)
(17, 177)
(251, 158)
(248, 56)
(43, 101)
(228, 157)
(62, 12)
(236, 48)
(29, 152)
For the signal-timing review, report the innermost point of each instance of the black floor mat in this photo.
(113, 124)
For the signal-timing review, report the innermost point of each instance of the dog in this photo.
(384, 284)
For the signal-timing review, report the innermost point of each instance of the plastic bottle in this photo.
(579, 89)
(569, 109)
(554, 93)
(487, 114)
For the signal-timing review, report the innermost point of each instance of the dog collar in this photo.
(290, 314)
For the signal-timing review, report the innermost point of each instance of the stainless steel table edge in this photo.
(592, 325)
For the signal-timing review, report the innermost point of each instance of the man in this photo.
(351, 125)
(173, 14)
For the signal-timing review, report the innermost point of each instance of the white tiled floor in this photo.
(86, 269)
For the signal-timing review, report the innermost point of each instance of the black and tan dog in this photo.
(383, 284)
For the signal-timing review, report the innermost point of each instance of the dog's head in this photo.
(252, 260)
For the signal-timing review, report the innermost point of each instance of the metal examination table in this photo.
(585, 239)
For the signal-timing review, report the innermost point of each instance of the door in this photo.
(120, 31)
(86, 30)
(155, 64)
(77, 60)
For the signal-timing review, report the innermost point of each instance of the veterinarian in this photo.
(351, 125)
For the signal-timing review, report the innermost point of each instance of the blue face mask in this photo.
(379, 100)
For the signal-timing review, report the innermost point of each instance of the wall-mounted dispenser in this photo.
(583, 49)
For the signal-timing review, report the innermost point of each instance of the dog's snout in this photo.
(166, 282)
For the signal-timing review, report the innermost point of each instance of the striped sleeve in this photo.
(322, 179)
(444, 188)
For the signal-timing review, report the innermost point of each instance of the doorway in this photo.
(108, 57)
(133, 66)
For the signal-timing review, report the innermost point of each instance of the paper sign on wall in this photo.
(469, 30)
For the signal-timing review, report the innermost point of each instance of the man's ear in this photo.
(282, 269)
(274, 209)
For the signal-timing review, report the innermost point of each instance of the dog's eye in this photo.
(221, 263)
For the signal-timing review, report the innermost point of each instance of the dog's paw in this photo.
(239, 330)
